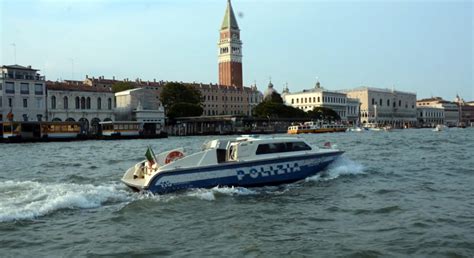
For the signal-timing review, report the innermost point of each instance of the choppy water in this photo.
(403, 193)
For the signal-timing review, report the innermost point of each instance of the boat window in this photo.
(282, 147)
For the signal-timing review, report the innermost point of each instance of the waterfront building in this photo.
(466, 111)
(384, 106)
(450, 109)
(140, 105)
(353, 111)
(307, 100)
(228, 100)
(81, 103)
(230, 51)
(22, 92)
(429, 116)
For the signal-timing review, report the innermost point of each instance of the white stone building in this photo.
(430, 116)
(140, 105)
(72, 102)
(451, 109)
(384, 106)
(307, 100)
(22, 92)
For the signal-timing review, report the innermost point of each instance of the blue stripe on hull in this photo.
(246, 174)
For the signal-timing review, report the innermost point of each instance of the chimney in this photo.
(87, 76)
(154, 80)
(113, 77)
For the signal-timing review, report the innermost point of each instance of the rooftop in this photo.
(50, 85)
(19, 67)
(365, 88)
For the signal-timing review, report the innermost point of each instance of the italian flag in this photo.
(150, 156)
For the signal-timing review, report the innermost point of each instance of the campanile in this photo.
(230, 50)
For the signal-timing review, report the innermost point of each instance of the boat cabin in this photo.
(249, 148)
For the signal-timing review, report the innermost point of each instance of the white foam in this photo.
(29, 200)
(210, 194)
(342, 166)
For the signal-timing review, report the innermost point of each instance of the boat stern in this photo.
(132, 178)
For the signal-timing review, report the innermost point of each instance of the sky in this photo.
(420, 46)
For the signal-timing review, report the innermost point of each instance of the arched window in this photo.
(83, 103)
(109, 103)
(88, 103)
(65, 102)
(78, 105)
(99, 103)
(388, 103)
(380, 102)
(53, 102)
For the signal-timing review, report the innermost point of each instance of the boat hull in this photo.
(243, 174)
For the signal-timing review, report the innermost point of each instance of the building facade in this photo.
(230, 51)
(23, 93)
(430, 116)
(139, 105)
(81, 103)
(307, 100)
(450, 109)
(466, 111)
(228, 100)
(384, 106)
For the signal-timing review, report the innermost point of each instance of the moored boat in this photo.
(316, 127)
(246, 161)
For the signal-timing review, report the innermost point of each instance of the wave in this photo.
(29, 200)
(342, 166)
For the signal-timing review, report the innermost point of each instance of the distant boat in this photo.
(439, 128)
(316, 127)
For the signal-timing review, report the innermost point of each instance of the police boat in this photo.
(246, 161)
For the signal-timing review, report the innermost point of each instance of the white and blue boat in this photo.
(246, 161)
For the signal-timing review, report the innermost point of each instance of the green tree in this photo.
(184, 109)
(181, 100)
(269, 109)
(275, 98)
(324, 113)
(174, 93)
(121, 86)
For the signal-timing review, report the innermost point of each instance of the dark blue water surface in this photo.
(403, 193)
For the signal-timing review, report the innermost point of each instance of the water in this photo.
(402, 193)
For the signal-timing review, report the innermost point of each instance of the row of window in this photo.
(225, 98)
(380, 103)
(24, 88)
(431, 114)
(282, 147)
(318, 100)
(25, 101)
(81, 103)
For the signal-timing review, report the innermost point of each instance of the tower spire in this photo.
(229, 21)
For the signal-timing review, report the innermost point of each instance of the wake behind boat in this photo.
(244, 161)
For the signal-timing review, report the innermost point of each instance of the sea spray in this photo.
(29, 200)
(342, 166)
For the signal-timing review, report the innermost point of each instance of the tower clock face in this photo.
(234, 35)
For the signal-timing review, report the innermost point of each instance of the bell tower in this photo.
(230, 50)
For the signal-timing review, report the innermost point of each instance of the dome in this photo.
(267, 95)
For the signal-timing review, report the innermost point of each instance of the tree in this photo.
(181, 100)
(184, 109)
(324, 113)
(174, 93)
(121, 86)
(271, 109)
(275, 98)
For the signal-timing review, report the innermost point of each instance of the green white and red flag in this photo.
(150, 156)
